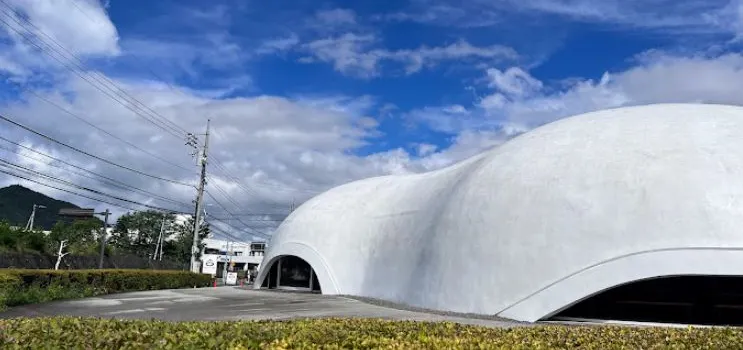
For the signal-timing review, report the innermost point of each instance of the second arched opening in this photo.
(290, 272)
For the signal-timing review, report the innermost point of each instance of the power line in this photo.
(95, 75)
(8, 164)
(67, 191)
(4, 118)
(103, 179)
(216, 162)
(254, 233)
(108, 80)
(247, 227)
(250, 220)
(172, 128)
(78, 117)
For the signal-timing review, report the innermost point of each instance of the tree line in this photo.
(135, 233)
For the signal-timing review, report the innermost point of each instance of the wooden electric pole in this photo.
(199, 202)
(104, 235)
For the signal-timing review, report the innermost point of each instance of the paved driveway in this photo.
(231, 303)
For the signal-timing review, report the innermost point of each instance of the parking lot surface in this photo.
(231, 303)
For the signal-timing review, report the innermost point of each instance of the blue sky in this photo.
(221, 45)
(305, 95)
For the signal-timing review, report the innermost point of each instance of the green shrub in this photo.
(89, 333)
(8, 284)
(19, 286)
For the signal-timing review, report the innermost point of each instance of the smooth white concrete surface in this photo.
(541, 222)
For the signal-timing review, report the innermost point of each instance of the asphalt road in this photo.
(231, 303)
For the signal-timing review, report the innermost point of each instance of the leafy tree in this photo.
(179, 248)
(8, 236)
(14, 239)
(81, 236)
(137, 233)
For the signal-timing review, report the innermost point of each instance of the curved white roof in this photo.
(549, 218)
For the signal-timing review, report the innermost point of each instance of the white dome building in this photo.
(524, 231)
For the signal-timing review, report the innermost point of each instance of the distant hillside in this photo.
(17, 201)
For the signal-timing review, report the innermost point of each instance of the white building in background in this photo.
(241, 256)
(565, 212)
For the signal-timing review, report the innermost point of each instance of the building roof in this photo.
(549, 218)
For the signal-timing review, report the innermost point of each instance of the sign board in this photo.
(74, 212)
(210, 266)
(231, 278)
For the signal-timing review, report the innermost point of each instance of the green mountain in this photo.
(16, 203)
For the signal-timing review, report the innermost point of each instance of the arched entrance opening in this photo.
(706, 300)
(289, 272)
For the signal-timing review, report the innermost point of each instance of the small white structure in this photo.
(523, 231)
(218, 256)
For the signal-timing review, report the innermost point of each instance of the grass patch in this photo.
(19, 287)
(90, 333)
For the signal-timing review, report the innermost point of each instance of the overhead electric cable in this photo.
(78, 117)
(102, 178)
(7, 164)
(66, 190)
(247, 227)
(172, 129)
(6, 119)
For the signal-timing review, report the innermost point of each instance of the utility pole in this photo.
(162, 244)
(30, 223)
(199, 201)
(103, 236)
(226, 263)
(159, 239)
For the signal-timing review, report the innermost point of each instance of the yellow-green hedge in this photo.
(19, 286)
(89, 333)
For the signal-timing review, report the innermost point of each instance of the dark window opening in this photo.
(293, 273)
(706, 300)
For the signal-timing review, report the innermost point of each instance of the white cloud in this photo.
(278, 44)
(336, 17)
(689, 17)
(425, 149)
(660, 79)
(514, 81)
(355, 54)
(441, 13)
(82, 26)
(349, 54)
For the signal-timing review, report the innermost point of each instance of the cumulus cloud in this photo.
(513, 81)
(31, 29)
(519, 101)
(664, 78)
(268, 151)
(358, 55)
(691, 17)
(97, 36)
(336, 17)
(278, 44)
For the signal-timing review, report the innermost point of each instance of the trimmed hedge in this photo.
(89, 333)
(18, 286)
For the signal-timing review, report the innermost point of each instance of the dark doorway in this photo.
(271, 281)
(291, 272)
(315, 282)
(707, 300)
